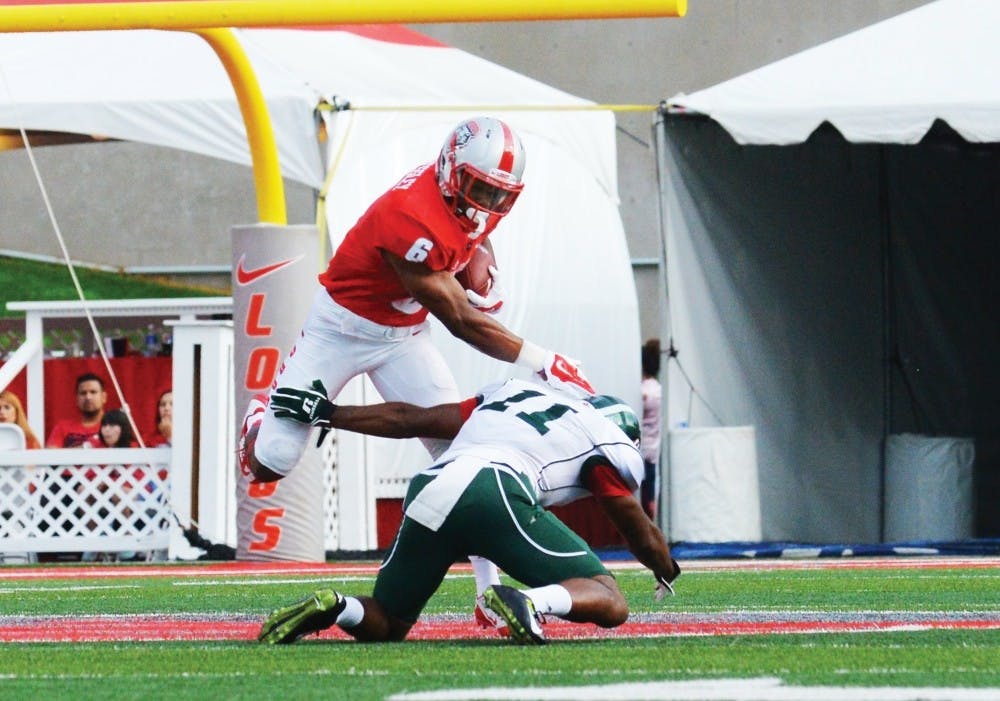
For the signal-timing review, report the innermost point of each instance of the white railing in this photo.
(49, 503)
(19, 360)
(37, 313)
(69, 500)
(73, 500)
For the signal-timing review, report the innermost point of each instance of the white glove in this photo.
(565, 374)
(492, 302)
(556, 370)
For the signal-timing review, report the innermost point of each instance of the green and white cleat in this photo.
(523, 622)
(316, 612)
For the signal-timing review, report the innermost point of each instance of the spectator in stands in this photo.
(160, 437)
(11, 506)
(90, 401)
(78, 432)
(12, 412)
(115, 431)
(651, 403)
(164, 421)
(81, 432)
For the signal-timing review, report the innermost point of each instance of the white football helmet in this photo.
(479, 170)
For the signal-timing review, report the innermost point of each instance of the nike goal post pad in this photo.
(274, 279)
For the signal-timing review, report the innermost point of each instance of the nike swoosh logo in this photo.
(245, 277)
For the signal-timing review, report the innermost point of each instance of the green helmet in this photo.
(619, 413)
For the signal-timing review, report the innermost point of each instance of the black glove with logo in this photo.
(307, 406)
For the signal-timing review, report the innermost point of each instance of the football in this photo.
(475, 275)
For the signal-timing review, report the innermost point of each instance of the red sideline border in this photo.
(160, 628)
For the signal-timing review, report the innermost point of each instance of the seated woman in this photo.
(12, 411)
(115, 432)
(164, 421)
(16, 507)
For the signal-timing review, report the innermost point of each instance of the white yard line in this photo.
(73, 587)
(761, 689)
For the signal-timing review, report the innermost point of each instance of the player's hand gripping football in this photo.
(307, 406)
(492, 301)
(565, 374)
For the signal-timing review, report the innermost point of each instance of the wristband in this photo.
(531, 356)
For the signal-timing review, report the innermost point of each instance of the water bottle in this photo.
(167, 346)
(152, 342)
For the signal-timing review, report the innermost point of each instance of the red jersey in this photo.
(155, 439)
(413, 221)
(72, 433)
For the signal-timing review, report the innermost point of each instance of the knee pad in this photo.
(279, 454)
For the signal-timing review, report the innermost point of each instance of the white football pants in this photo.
(337, 345)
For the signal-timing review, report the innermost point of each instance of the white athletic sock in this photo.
(485, 572)
(553, 599)
(352, 614)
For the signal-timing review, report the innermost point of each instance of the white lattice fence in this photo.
(118, 500)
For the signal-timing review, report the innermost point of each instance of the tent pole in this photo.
(663, 181)
(887, 324)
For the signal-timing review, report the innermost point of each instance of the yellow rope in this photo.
(321, 224)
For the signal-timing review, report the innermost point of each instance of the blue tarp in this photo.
(694, 551)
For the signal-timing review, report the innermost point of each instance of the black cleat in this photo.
(518, 610)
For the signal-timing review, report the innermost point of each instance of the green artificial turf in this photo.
(833, 590)
(313, 669)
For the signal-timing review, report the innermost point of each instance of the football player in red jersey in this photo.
(395, 266)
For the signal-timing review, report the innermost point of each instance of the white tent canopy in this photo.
(886, 83)
(170, 89)
(562, 251)
(835, 285)
(162, 88)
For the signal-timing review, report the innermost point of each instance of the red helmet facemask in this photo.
(479, 171)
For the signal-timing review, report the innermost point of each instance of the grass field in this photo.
(28, 280)
(187, 630)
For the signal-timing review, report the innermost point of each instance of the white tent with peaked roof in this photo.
(886, 83)
(831, 237)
